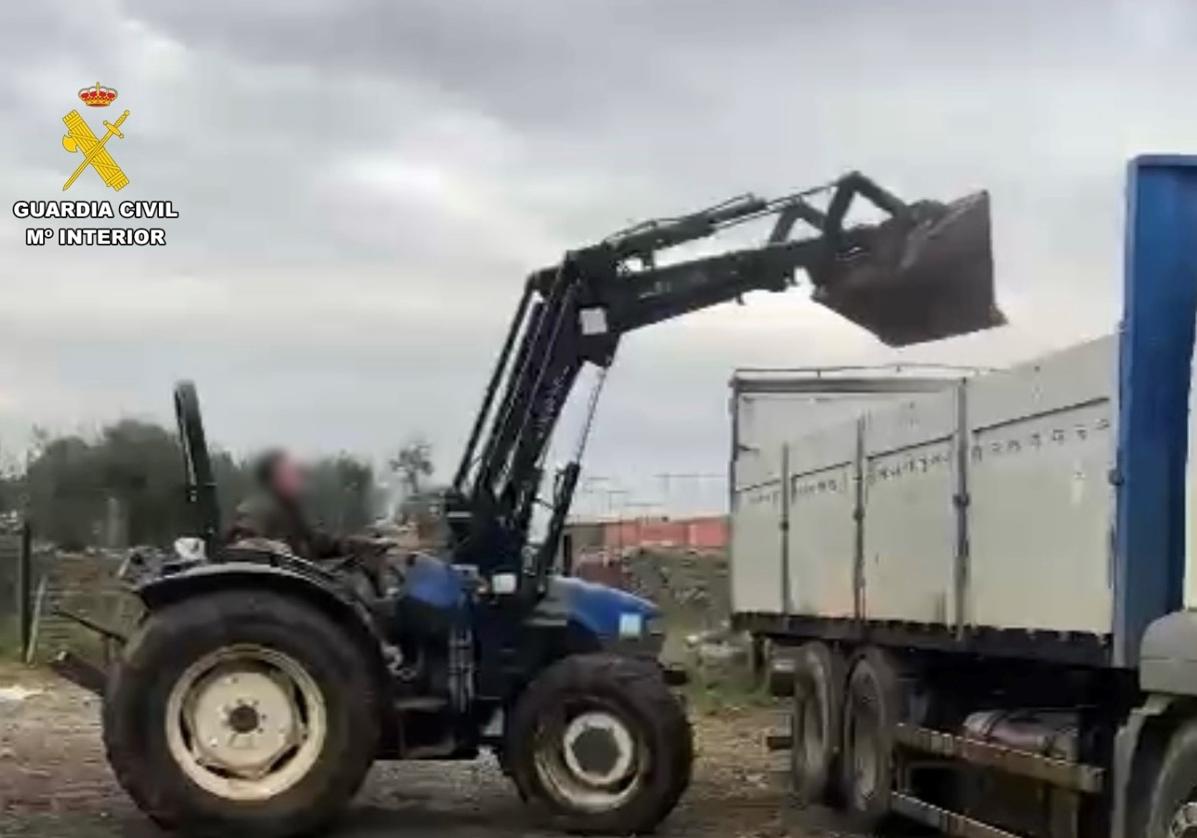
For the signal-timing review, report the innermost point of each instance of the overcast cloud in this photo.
(363, 185)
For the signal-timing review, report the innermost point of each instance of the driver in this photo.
(275, 512)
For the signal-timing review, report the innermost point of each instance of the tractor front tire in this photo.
(600, 745)
(242, 712)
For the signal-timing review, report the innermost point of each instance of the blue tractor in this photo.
(259, 687)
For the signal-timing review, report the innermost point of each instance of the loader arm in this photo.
(924, 272)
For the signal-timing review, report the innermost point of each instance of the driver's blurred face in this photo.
(289, 479)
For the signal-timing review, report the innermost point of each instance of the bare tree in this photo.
(413, 463)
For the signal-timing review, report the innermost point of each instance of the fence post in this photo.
(25, 585)
(36, 623)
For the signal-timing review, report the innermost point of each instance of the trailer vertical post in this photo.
(1160, 291)
(961, 503)
(858, 513)
(787, 605)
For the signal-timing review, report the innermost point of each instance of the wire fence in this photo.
(14, 586)
(75, 587)
(43, 590)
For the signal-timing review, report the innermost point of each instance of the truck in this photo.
(972, 584)
(260, 686)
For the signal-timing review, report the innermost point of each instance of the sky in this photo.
(363, 185)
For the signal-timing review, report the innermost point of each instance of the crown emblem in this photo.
(97, 96)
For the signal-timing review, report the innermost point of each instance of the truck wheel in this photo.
(870, 713)
(1173, 810)
(241, 713)
(816, 720)
(600, 745)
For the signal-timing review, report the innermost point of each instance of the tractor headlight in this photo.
(641, 634)
(631, 625)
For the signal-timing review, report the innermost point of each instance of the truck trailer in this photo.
(972, 583)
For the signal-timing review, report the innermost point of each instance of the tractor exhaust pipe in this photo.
(922, 275)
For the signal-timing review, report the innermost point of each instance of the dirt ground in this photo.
(54, 782)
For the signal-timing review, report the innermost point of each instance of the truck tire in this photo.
(241, 713)
(600, 745)
(871, 709)
(1173, 809)
(816, 721)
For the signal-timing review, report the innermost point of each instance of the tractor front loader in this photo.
(259, 687)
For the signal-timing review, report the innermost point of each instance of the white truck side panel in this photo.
(822, 532)
(817, 418)
(909, 519)
(1031, 450)
(756, 575)
(766, 420)
(1042, 510)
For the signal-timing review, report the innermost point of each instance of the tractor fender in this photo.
(343, 608)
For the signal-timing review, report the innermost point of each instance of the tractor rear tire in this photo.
(215, 681)
(599, 745)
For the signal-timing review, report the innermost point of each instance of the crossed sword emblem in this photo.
(80, 138)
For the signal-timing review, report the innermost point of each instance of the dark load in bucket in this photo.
(924, 274)
(924, 271)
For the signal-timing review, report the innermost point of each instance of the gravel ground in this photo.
(54, 782)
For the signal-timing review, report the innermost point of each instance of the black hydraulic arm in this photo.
(575, 313)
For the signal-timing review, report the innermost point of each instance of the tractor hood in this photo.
(609, 614)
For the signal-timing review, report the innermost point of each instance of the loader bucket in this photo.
(918, 278)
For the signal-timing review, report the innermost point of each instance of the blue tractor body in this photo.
(607, 614)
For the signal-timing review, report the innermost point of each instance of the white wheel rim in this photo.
(1184, 822)
(617, 738)
(246, 723)
(594, 763)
